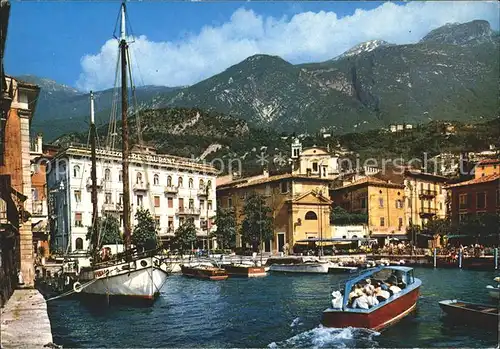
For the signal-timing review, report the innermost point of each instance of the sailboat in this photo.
(130, 275)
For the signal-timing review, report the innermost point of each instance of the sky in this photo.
(181, 43)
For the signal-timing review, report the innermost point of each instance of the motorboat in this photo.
(204, 271)
(244, 270)
(471, 313)
(402, 295)
(298, 265)
(494, 292)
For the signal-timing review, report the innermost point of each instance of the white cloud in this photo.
(305, 37)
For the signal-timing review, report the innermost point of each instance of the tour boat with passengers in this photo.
(374, 299)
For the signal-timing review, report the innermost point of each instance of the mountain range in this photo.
(451, 74)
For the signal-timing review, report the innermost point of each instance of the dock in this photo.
(25, 322)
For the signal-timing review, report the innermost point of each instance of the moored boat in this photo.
(401, 300)
(205, 272)
(471, 313)
(244, 270)
(298, 265)
(339, 269)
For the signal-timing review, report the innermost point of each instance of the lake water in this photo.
(277, 311)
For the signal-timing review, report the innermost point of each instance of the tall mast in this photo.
(93, 176)
(125, 145)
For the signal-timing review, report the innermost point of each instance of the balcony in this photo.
(427, 194)
(427, 212)
(141, 186)
(98, 184)
(203, 192)
(187, 211)
(167, 231)
(37, 208)
(169, 189)
(111, 207)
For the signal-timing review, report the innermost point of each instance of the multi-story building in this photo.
(313, 161)
(299, 205)
(487, 167)
(382, 201)
(173, 189)
(20, 101)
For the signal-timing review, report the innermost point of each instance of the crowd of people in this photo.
(368, 293)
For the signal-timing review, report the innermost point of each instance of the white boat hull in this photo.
(142, 278)
(311, 268)
(494, 292)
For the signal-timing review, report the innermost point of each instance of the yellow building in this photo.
(487, 167)
(381, 200)
(300, 206)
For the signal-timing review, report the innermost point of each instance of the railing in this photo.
(427, 193)
(98, 182)
(167, 231)
(141, 186)
(203, 191)
(428, 210)
(188, 211)
(171, 189)
(111, 207)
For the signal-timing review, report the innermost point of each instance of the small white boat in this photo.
(494, 292)
(298, 265)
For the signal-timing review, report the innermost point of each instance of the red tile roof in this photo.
(489, 162)
(483, 179)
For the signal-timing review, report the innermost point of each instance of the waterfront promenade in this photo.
(25, 322)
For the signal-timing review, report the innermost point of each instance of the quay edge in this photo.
(25, 321)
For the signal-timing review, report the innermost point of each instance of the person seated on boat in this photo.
(337, 300)
(368, 286)
(371, 299)
(380, 293)
(355, 293)
(394, 289)
(361, 302)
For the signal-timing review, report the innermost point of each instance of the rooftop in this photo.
(483, 179)
(373, 181)
(247, 182)
(489, 162)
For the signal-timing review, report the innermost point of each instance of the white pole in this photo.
(122, 26)
(92, 121)
(435, 256)
(496, 258)
(460, 258)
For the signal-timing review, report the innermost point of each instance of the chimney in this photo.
(39, 141)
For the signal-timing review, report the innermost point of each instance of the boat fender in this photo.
(77, 287)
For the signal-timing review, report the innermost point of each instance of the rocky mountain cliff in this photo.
(451, 74)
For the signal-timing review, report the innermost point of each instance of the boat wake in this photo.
(323, 337)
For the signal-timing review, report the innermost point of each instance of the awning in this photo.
(458, 236)
(335, 240)
(393, 236)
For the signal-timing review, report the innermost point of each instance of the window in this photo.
(107, 174)
(400, 224)
(311, 216)
(139, 200)
(120, 176)
(209, 205)
(440, 206)
(169, 181)
(76, 171)
(156, 179)
(181, 204)
(399, 204)
(79, 244)
(181, 220)
(229, 202)
(157, 221)
(203, 224)
(381, 202)
(363, 202)
(78, 196)
(284, 187)
(462, 201)
(34, 194)
(202, 204)
(107, 198)
(170, 222)
(170, 202)
(481, 200)
(190, 183)
(120, 199)
(78, 219)
(382, 221)
(202, 184)
(191, 204)
(180, 182)
(296, 152)
(315, 167)
(157, 201)
(209, 184)
(138, 178)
